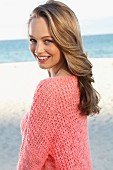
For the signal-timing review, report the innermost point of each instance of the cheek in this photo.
(57, 53)
(31, 48)
(54, 51)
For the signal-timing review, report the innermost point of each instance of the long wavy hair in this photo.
(65, 30)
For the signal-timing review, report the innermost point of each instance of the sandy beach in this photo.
(17, 85)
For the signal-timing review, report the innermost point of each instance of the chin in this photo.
(43, 67)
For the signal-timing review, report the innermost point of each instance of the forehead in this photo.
(38, 27)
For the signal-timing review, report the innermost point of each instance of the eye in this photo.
(47, 41)
(32, 40)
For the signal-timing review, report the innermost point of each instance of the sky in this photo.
(95, 17)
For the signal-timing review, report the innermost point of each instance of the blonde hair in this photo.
(65, 30)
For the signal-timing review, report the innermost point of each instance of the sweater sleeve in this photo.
(38, 132)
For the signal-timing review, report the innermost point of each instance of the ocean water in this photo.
(97, 46)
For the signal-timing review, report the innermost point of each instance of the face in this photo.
(43, 46)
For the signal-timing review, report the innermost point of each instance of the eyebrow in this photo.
(46, 36)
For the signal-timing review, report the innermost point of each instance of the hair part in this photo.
(65, 30)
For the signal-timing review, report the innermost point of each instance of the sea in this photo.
(97, 46)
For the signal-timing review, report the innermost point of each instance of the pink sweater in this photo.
(55, 134)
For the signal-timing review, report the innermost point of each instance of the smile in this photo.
(41, 58)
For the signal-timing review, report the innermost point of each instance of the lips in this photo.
(41, 58)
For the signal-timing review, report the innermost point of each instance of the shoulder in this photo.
(58, 83)
(58, 86)
(46, 86)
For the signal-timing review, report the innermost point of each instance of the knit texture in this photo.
(55, 133)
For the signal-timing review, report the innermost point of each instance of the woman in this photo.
(55, 132)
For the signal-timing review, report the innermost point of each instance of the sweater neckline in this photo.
(63, 77)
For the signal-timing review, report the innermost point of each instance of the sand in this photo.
(17, 85)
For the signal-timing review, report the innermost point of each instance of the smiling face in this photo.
(43, 46)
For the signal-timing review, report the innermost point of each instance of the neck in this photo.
(61, 71)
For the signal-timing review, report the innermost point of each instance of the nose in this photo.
(39, 48)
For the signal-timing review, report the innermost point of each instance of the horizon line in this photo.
(23, 38)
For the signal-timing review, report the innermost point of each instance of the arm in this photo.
(37, 135)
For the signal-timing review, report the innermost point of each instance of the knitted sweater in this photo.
(55, 133)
